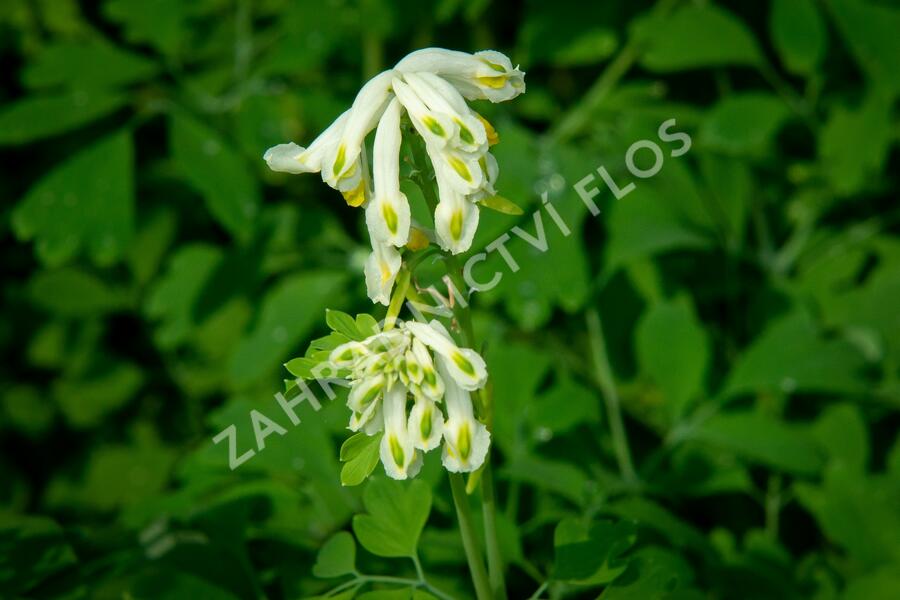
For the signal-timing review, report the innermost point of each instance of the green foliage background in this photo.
(156, 276)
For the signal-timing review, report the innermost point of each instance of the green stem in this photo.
(470, 544)
(603, 373)
(489, 511)
(575, 119)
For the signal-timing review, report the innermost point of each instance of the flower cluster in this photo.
(422, 362)
(431, 87)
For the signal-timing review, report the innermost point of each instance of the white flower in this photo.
(340, 163)
(381, 270)
(464, 365)
(387, 214)
(431, 87)
(426, 424)
(398, 453)
(387, 368)
(466, 441)
(484, 75)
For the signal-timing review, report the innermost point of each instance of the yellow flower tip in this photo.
(356, 196)
(495, 83)
(385, 273)
(492, 137)
(417, 239)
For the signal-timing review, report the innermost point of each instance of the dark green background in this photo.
(156, 276)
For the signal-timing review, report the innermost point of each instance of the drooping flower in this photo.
(431, 87)
(391, 369)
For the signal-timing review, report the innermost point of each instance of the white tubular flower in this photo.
(387, 214)
(491, 170)
(466, 441)
(487, 75)
(435, 128)
(291, 158)
(381, 270)
(429, 383)
(455, 219)
(365, 392)
(340, 166)
(398, 453)
(441, 96)
(464, 365)
(426, 425)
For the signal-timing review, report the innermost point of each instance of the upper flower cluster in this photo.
(421, 361)
(431, 86)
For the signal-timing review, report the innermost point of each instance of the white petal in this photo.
(367, 108)
(464, 365)
(484, 75)
(285, 158)
(466, 446)
(426, 424)
(437, 129)
(397, 449)
(388, 214)
(365, 392)
(455, 222)
(381, 270)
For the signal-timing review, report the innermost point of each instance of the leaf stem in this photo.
(470, 544)
(603, 374)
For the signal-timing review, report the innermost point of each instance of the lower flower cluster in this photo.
(420, 364)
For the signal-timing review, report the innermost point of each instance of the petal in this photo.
(466, 445)
(388, 215)
(437, 129)
(368, 106)
(426, 424)
(455, 222)
(463, 365)
(381, 270)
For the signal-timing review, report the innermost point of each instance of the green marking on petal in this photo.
(463, 363)
(494, 66)
(461, 168)
(339, 160)
(425, 425)
(396, 450)
(464, 133)
(456, 224)
(390, 217)
(430, 377)
(464, 441)
(370, 395)
(434, 126)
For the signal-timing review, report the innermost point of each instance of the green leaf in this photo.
(173, 298)
(792, 355)
(336, 557)
(694, 36)
(287, 315)
(161, 23)
(799, 34)
(857, 513)
(870, 30)
(759, 438)
(592, 556)
(85, 402)
(366, 325)
(72, 292)
(87, 64)
(743, 124)
(673, 350)
(343, 323)
(360, 453)
(217, 172)
(854, 144)
(37, 117)
(566, 33)
(843, 435)
(565, 406)
(397, 512)
(85, 204)
(653, 572)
